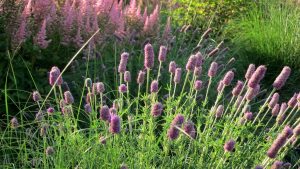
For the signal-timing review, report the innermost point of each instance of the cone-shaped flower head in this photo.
(172, 67)
(221, 86)
(287, 132)
(257, 76)
(127, 77)
(55, 75)
(197, 71)
(275, 110)
(49, 151)
(213, 69)
(189, 128)
(104, 113)
(199, 59)
(178, 120)
(238, 88)
(279, 142)
(115, 124)
(50, 110)
(296, 130)
(87, 108)
(173, 133)
(156, 109)
(228, 78)
(252, 92)
(68, 97)
(141, 77)
(282, 78)
(88, 83)
(190, 66)
(123, 62)
(14, 123)
(154, 86)
(277, 165)
(293, 101)
(122, 88)
(36, 96)
(198, 85)
(274, 100)
(219, 111)
(149, 56)
(177, 76)
(229, 145)
(100, 87)
(250, 71)
(248, 116)
(162, 53)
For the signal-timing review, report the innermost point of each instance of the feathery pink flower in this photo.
(41, 37)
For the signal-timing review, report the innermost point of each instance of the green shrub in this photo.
(269, 33)
(207, 13)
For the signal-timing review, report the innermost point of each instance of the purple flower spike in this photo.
(68, 97)
(287, 132)
(50, 110)
(213, 69)
(178, 120)
(190, 66)
(220, 86)
(36, 96)
(172, 67)
(87, 108)
(177, 76)
(104, 113)
(162, 53)
(199, 59)
(197, 71)
(157, 109)
(296, 130)
(122, 88)
(219, 111)
(198, 85)
(238, 88)
(149, 56)
(229, 146)
(274, 100)
(127, 77)
(54, 75)
(141, 77)
(100, 87)
(228, 78)
(189, 128)
(276, 146)
(173, 133)
(248, 116)
(277, 165)
(115, 124)
(275, 110)
(250, 71)
(282, 78)
(257, 76)
(154, 86)
(252, 92)
(293, 101)
(123, 62)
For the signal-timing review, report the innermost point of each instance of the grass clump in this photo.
(186, 123)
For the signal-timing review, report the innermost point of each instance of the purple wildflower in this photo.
(36, 96)
(250, 71)
(252, 92)
(221, 86)
(287, 132)
(50, 110)
(293, 101)
(68, 97)
(55, 76)
(162, 53)
(149, 56)
(296, 130)
(213, 69)
(87, 108)
(14, 123)
(157, 109)
(127, 76)
(123, 62)
(257, 76)
(238, 88)
(282, 78)
(104, 113)
(178, 120)
(229, 146)
(219, 111)
(177, 76)
(190, 66)
(248, 116)
(199, 59)
(275, 110)
(115, 124)
(154, 86)
(198, 85)
(197, 71)
(274, 100)
(141, 77)
(122, 88)
(277, 165)
(189, 128)
(172, 67)
(173, 133)
(228, 78)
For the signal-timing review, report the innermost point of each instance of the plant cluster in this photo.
(187, 123)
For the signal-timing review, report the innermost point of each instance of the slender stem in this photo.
(171, 78)
(292, 111)
(174, 90)
(158, 74)
(208, 87)
(229, 104)
(185, 80)
(148, 79)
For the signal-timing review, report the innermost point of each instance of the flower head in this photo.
(213, 69)
(14, 123)
(36, 96)
(115, 124)
(177, 76)
(229, 146)
(123, 62)
(162, 53)
(154, 86)
(274, 100)
(127, 76)
(282, 78)
(141, 77)
(104, 113)
(157, 109)
(228, 78)
(172, 67)
(189, 128)
(198, 85)
(55, 76)
(219, 111)
(238, 88)
(149, 56)
(68, 97)
(122, 88)
(257, 76)
(250, 71)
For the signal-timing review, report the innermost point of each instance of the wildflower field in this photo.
(136, 84)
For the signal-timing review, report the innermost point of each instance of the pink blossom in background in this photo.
(40, 38)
